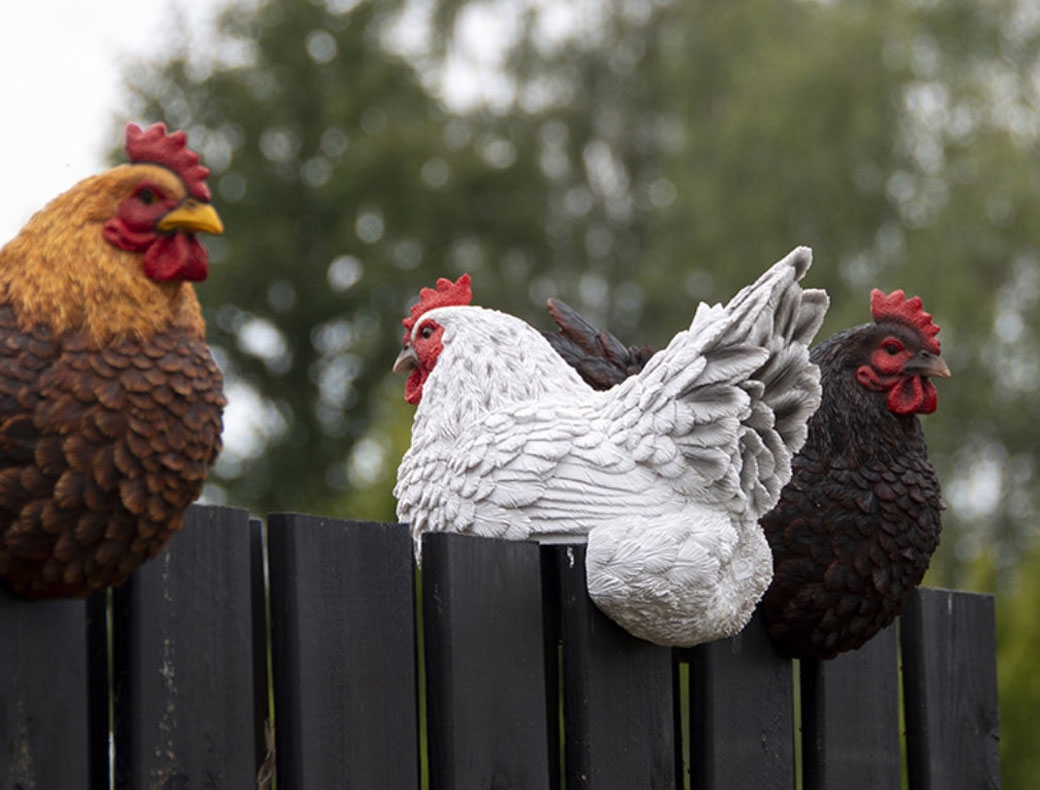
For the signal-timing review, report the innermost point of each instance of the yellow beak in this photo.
(194, 217)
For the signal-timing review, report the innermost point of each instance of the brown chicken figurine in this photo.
(110, 401)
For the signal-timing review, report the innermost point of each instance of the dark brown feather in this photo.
(598, 357)
(98, 455)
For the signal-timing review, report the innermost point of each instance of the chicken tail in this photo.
(733, 393)
(600, 359)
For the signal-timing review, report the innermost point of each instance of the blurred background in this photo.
(631, 157)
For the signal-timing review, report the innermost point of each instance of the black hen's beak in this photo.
(406, 360)
(924, 363)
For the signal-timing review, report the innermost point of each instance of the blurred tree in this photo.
(897, 139)
(1018, 644)
(630, 156)
(345, 186)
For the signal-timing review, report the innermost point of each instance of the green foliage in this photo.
(1018, 644)
(638, 161)
(344, 187)
(877, 136)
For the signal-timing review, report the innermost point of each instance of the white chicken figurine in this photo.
(665, 475)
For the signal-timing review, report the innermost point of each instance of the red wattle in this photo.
(913, 395)
(177, 257)
(931, 398)
(413, 387)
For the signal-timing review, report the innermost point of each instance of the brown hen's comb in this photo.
(896, 307)
(171, 151)
(448, 294)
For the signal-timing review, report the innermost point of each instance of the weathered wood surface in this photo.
(485, 664)
(263, 723)
(44, 706)
(183, 661)
(619, 706)
(741, 713)
(950, 688)
(850, 718)
(343, 653)
(527, 684)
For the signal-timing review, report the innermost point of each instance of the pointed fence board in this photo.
(742, 713)
(619, 705)
(44, 711)
(343, 653)
(950, 689)
(485, 664)
(183, 664)
(850, 717)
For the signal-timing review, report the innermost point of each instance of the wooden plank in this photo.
(183, 664)
(850, 717)
(485, 665)
(950, 688)
(263, 732)
(553, 644)
(618, 700)
(99, 681)
(343, 653)
(44, 709)
(742, 713)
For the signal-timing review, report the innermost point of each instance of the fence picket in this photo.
(850, 717)
(343, 653)
(528, 685)
(619, 710)
(183, 664)
(950, 690)
(741, 710)
(485, 670)
(263, 721)
(44, 709)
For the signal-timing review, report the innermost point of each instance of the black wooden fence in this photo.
(524, 684)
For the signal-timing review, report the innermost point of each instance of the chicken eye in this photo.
(426, 332)
(891, 346)
(146, 196)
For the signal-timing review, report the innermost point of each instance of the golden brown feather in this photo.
(60, 271)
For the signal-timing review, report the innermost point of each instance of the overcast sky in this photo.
(61, 78)
(61, 86)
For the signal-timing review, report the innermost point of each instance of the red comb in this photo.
(171, 151)
(896, 307)
(448, 294)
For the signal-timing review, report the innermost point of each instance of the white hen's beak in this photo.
(406, 360)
